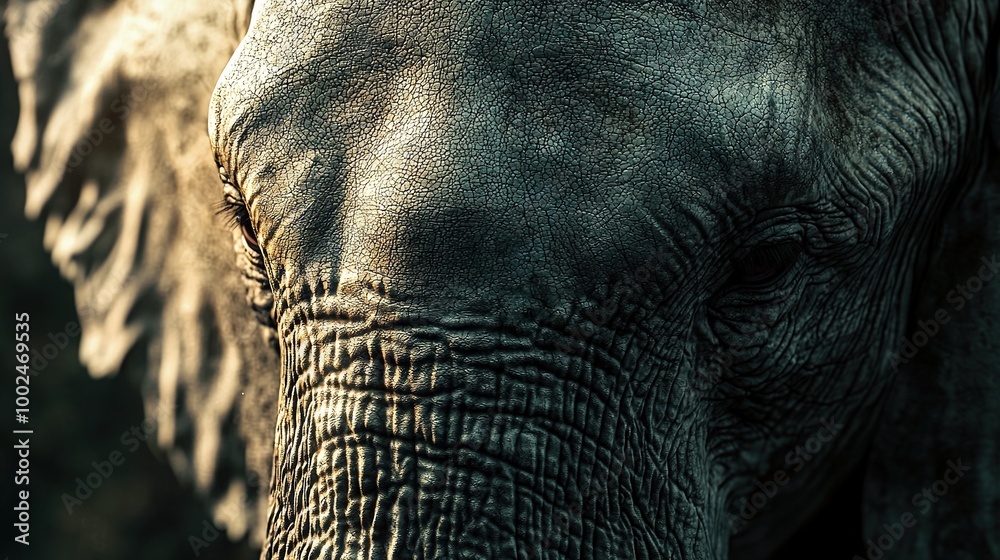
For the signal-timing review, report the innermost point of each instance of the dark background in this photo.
(141, 510)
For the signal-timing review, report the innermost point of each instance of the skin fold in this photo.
(562, 280)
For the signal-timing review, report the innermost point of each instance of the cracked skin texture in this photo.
(552, 280)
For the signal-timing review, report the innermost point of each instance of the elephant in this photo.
(533, 280)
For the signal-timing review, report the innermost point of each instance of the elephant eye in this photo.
(239, 216)
(247, 228)
(766, 263)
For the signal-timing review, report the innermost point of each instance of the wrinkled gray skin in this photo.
(444, 193)
(547, 280)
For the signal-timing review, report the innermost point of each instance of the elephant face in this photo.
(535, 280)
(510, 243)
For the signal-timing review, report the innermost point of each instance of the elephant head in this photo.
(528, 280)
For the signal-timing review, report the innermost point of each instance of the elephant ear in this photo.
(112, 139)
(933, 484)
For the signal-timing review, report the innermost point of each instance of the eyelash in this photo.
(239, 217)
(233, 213)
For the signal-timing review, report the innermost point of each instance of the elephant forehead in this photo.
(619, 115)
(682, 83)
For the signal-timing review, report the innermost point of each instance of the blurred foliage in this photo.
(140, 510)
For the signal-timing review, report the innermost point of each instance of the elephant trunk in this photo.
(452, 441)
